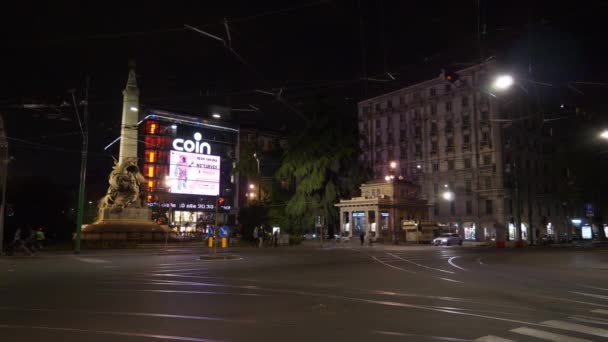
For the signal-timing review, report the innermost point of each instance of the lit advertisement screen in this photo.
(194, 174)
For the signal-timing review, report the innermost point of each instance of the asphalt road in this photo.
(308, 294)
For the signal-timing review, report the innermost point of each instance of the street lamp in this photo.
(604, 134)
(448, 195)
(503, 82)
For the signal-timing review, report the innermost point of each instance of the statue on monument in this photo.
(127, 186)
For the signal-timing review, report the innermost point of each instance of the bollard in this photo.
(224, 242)
(210, 242)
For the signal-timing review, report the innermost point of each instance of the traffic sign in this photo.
(210, 231)
(224, 231)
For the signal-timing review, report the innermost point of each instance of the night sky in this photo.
(308, 48)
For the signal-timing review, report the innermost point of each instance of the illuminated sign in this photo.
(587, 233)
(194, 174)
(195, 146)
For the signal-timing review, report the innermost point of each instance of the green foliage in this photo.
(250, 217)
(322, 166)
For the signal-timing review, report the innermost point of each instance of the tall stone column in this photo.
(341, 227)
(130, 116)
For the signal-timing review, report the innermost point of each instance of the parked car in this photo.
(447, 239)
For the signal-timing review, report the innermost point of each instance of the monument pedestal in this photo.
(125, 224)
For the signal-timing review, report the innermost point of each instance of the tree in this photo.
(321, 165)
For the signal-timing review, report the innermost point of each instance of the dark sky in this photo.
(305, 47)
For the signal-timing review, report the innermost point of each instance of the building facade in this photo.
(475, 155)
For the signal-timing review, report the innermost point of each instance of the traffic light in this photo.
(221, 201)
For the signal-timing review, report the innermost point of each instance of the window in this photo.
(466, 139)
(433, 147)
(469, 207)
(487, 159)
(435, 188)
(465, 121)
(436, 209)
(450, 143)
(378, 123)
(485, 138)
(417, 148)
(432, 92)
(468, 185)
(488, 183)
(453, 208)
(401, 100)
(450, 165)
(389, 103)
(485, 115)
(449, 126)
(435, 167)
(418, 131)
(465, 101)
(433, 128)
(467, 163)
(448, 88)
(489, 209)
(448, 106)
(377, 107)
(433, 108)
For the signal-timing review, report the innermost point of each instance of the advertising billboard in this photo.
(194, 174)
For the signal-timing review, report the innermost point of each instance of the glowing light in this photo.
(393, 165)
(448, 195)
(150, 184)
(604, 134)
(251, 186)
(153, 129)
(387, 178)
(133, 109)
(151, 157)
(419, 166)
(174, 126)
(577, 221)
(503, 82)
(216, 115)
(151, 171)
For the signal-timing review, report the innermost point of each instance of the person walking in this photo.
(256, 235)
(40, 238)
(362, 237)
(276, 238)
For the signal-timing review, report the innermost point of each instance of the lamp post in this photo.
(389, 178)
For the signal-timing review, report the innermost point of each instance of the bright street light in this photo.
(133, 109)
(503, 82)
(251, 186)
(448, 195)
(604, 134)
(393, 165)
(419, 166)
(387, 178)
(216, 115)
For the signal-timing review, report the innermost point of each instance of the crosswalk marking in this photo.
(595, 287)
(92, 260)
(492, 338)
(600, 311)
(589, 295)
(585, 329)
(589, 320)
(545, 335)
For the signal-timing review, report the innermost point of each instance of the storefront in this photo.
(187, 164)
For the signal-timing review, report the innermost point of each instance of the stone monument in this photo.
(123, 213)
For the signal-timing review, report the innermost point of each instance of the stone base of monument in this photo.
(127, 224)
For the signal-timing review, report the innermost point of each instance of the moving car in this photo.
(447, 239)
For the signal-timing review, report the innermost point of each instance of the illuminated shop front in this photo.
(187, 163)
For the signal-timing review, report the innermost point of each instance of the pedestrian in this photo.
(255, 234)
(260, 237)
(362, 237)
(40, 238)
(276, 238)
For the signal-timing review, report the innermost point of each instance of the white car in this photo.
(447, 239)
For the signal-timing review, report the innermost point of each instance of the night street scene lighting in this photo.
(226, 171)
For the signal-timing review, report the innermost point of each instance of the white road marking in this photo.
(480, 261)
(184, 269)
(93, 260)
(545, 335)
(594, 287)
(392, 266)
(453, 264)
(588, 320)
(107, 332)
(492, 338)
(419, 265)
(585, 329)
(397, 333)
(600, 311)
(589, 295)
(448, 279)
